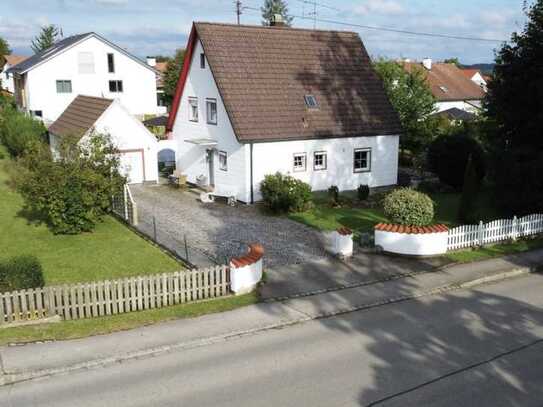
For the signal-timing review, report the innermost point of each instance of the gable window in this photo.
(111, 63)
(116, 86)
(300, 160)
(202, 60)
(211, 109)
(64, 86)
(311, 101)
(362, 160)
(319, 160)
(193, 109)
(85, 62)
(223, 161)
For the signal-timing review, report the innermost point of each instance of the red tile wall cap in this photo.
(344, 231)
(416, 230)
(255, 253)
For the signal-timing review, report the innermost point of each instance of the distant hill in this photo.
(486, 69)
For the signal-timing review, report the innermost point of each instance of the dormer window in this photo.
(311, 102)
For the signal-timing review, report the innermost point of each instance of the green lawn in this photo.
(111, 251)
(103, 325)
(497, 250)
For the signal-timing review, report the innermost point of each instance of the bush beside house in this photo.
(285, 194)
(19, 132)
(20, 272)
(405, 206)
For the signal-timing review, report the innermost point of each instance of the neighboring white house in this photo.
(475, 76)
(450, 86)
(255, 100)
(85, 64)
(8, 61)
(137, 145)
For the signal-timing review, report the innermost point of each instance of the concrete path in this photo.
(42, 359)
(479, 347)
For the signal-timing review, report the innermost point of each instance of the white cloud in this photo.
(380, 7)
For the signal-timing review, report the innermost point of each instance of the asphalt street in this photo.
(479, 347)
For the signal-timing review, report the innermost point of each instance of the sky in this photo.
(159, 27)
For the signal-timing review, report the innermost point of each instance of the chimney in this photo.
(151, 61)
(277, 21)
(427, 63)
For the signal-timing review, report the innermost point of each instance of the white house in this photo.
(7, 62)
(137, 145)
(449, 85)
(85, 64)
(255, 100)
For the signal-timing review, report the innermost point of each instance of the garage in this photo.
(137, 146)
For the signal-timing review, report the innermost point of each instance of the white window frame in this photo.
(223, 161)
(61, 85)
(368, 160)
(85, 62)
(303, 166)
(211, 102)
(324, 164)
(193, 109)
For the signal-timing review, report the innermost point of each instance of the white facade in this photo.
(246, 161)
(424, 244)
(37, 89)
(471, 106)
(7, 79)
(137, 145)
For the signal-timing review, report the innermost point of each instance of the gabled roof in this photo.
(456, 114)
(12, 59)
(470, 73)
(80, 116)
(61, 46)
(448, 82)
(263, 74)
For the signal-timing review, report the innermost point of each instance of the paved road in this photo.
(482, 347)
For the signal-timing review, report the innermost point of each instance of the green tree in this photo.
(4, 47)
(454, 61)
(48, 35)
(171, 76)
(470, 191)
(272, 7)
(514, 106)
(72, 192)
(412, 98)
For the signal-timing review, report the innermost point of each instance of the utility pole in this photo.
(239, 10)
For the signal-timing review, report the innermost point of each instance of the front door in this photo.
(211, 166)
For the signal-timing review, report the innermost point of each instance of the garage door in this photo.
(132, 166)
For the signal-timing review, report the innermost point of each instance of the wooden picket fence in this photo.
(124, 206)
(101, 298)
(495, 231)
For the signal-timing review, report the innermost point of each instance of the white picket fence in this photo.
(503, 229)
(124, 206)
(101, 298)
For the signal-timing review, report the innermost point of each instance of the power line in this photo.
(398, 31)
(239, 9)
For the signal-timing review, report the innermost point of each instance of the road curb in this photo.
(8, 378)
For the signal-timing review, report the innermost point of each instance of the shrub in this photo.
(363, 192)
(20, 132)
(73, 192)
(405, 206)
(448, 156)
(333, 193)
(283, 193)
(20, 272)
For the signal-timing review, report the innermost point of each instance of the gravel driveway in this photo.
(216, 232)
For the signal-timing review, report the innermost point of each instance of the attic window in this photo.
(444, 89)
(311, 102)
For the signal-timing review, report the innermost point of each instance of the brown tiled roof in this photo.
(80, 116)
(263, 74)
(14, 59)
(448, 82)
(470, 73)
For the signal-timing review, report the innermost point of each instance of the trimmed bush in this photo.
(448, 156)
(20, 132)
(20, 272)
(363, 192)
(283, 193)
(405, 206)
